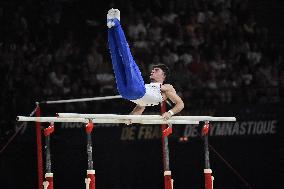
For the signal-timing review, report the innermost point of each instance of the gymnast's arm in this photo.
(170, 93)
(137, 110)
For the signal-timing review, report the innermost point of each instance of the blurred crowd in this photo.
(216, 50)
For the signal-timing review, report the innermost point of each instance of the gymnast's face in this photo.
(157, 75)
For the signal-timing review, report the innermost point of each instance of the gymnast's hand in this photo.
(128, 122)
(166, 115)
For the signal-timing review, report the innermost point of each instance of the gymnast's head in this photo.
(159, 73)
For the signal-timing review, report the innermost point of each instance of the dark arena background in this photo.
(226, 59)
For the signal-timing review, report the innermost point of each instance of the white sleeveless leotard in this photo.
(153, 95)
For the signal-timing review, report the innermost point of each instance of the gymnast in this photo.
(130, 83)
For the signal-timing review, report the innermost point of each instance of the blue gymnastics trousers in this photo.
(129, 81)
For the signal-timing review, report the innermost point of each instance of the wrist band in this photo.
(171, 112)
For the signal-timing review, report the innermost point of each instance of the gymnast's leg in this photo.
(129, 80)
